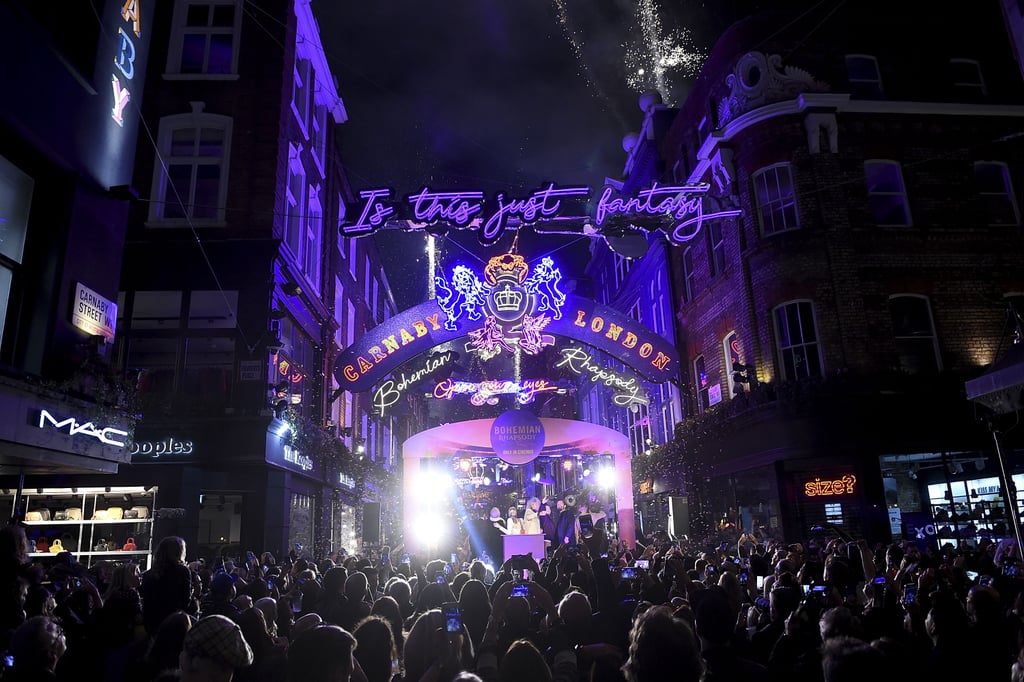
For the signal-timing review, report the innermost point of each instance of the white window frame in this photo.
(979, 84)
(1007, 185)
(295, 203)
(703, 391)
(716, 249)
(937, 354)
(197, 120)
(179, 31)
(689, 276)
(802, 344)
(312, 241)
(902, 193)
(776, 206)
(876, 81)
(302, 91)
(318, 134)
(730, 384)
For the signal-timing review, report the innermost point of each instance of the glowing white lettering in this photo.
(106, 436)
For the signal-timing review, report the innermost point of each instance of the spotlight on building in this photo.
(567, 464)
(429, 529)
(606, 477)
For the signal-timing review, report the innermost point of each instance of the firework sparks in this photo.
(654, 55)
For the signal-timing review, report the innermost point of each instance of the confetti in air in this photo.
(653, 54)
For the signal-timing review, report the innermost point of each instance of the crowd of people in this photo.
(744, 607)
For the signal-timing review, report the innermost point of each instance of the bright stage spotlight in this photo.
(606, 477)
(429, 530)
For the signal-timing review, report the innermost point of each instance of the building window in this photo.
(716, 248)
(213, 310)
(15, 205)
(313, 235)
(190, 179)
(967, 78)
(204, 41)
(887, 196)
(302, 91)
(992, 180)
(689, 277)
(701, 383)
(913, 330)
(798, 340)
(863, 75)
(776, 200)
(319, 135)
(733, 357)
(295, 196)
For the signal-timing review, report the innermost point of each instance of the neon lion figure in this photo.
(465, 295)
(543, 283)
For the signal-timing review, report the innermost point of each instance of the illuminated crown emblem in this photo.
(508, 299)
(506, 266)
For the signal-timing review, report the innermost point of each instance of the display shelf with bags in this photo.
(94, 524)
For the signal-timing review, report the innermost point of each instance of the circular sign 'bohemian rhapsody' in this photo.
(517, 436)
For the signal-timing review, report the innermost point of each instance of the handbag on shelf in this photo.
(115, 513)
(42, 544)
(100, 546)
(129, 545)
(131, 514)
(143, 512)
(56, 547)
(42, 512)
(74, 513)
(33, 516)
(101, 515)
(60, 515)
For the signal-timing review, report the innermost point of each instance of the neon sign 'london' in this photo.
(840, 486)
(676, 209)
(107, 436)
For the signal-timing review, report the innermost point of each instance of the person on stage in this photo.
(531, 517)
(566, 527)
(548, 521)
(514, 525)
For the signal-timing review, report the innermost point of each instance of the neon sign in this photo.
(168, 446)
(293, 456)
(627, 389)
(107, 436)
(508, 301)
(487, 392)
(124, 59)
(839, 486)
(391, 391)
(676, 209)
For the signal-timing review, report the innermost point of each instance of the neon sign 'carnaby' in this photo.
(125, 59)
(508, 302)
(487, 392)
(627, 389)
(106, 436)
(677, 209)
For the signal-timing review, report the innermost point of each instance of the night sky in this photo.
(497, 96)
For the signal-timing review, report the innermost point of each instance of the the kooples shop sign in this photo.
(170, 446)
(72, 426)
(678, 210)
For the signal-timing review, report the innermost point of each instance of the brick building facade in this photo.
(827, 332)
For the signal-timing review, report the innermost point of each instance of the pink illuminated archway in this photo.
(475, 434)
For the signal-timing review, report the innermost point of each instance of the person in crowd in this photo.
(213, 649)
(324, 653)
(124, 577)
(167, 586)
(220, 600)
(269, 663)
(522, 661)
(848, 659)
(656, 632)
(430, 648)
(387, 608)
(35, 648)
(715, 624)
(375, 649)
(475, 604)
(164, 651)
